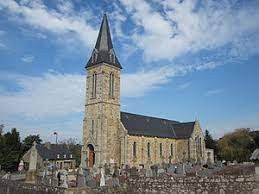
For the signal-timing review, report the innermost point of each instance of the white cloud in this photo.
(61, 22)
(2, 45)
(2, 32)
(57, 95)
(184, 27)
(214, 92)
(47, 96)
(27, 59)
(184, 85)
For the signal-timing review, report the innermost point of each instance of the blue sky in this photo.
(182, 60)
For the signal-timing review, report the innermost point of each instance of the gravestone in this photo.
(115, 182)
(65, 180)
(81, 181)
(102, 180)
(91, 182)
(154, 169)
(148, 172)
(142, 172)
(107, 169)
(160, 172)
(133, 171)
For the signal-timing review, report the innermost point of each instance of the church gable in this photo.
(140, 125)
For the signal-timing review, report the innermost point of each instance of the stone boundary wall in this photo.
(17, 187)
(244, 184)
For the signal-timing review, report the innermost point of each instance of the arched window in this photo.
(161, 149)
(172, 150)
(94, 81)
(111, 85)
(134, 149)
(148, 150)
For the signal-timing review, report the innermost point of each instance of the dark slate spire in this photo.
(103, 51)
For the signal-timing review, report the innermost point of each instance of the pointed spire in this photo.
(104, 51)
(104, 41)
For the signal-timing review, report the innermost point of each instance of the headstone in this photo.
(116, 172)
(21, 166)
(106, 169)
(86, 175)
(160, 172)
(102, 181)
(154, 169)
(91, 182)
(148, 172)
(65, 180)
(44, 176)
(81, 181)
(115, 182)
(142, 172)
(133, 171)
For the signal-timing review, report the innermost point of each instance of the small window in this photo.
(111, 85)
(92, 129)
(200, 147)
(161, 149)
(58, 156)
(172, 150)
(134, 149)
(94, 81)
(65, 155)
(148, 150)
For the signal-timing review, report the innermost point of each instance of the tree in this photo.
(210, 142)
(1, 129)
(10, 150)
(28, 141)
(237, 145)
(255, 135)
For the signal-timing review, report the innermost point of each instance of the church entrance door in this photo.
(91, 156)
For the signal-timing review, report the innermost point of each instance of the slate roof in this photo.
(255, 155)
(156, 127)
(104, 47)
(53, 151)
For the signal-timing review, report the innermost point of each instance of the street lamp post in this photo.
(56, 134)
(54, 165)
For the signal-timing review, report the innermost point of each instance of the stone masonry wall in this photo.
(217, 184)
(155, 156)
(103, 111)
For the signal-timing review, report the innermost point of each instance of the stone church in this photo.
(113, 136)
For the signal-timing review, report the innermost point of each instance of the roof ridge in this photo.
(151, 117)
(185, 122)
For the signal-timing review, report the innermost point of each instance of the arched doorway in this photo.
(91, 155)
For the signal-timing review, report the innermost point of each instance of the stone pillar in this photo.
(31, 174)
(83, 164)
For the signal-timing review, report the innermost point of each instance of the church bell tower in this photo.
(102, 106)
